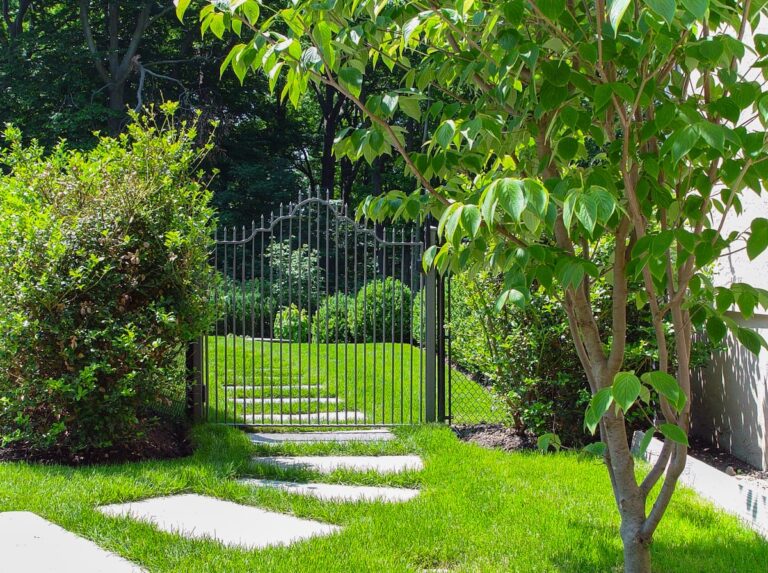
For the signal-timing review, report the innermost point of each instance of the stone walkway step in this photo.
(276, 388)
(288, 400)
(328, 464)
(229, 523)
(336, 492)
(277, 418)
(31, 544)
(342, 436)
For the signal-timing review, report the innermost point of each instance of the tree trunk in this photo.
(637, 554)
(116, 108)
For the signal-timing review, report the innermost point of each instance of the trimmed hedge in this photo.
(383, 307)
(105, 280)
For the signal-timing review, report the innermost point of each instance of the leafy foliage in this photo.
(105, 280)
(382, 311)
(291, 324)
(331, 321)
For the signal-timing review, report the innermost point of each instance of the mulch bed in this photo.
(722, 460)
(495, 436)
(161, 443)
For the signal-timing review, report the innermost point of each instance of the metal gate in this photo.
(322, 320)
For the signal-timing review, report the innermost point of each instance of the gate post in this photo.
(441, 357)
(430, 318)
(195, 390)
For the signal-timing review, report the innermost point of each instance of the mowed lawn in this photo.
(253, 381)
(478, 511)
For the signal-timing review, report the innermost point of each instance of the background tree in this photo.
(525, 88)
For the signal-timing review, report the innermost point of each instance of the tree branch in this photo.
(86, 24)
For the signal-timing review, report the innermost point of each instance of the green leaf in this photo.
(410, 107)
(251, 10)
(674, 433)
(586, 212)
(680, 143)
(552, 9)
(595, 448)
(217, 25)
(471, 219)
(697, 7)
(713, 134)
(758, 238)
(567, 148)
(664, 8)
(352, 79)
(598, 406)
(616, 10)
(511, 196)
(429, 257)
(181, 7)
(716, 329)
(644, 443)
(444, 134)
(512, 295)
(625, 389)
(665, 385)
(751, 340)
(323, 36)
(569, 207)
(546, 440)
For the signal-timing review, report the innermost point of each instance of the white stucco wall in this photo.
(730, 397)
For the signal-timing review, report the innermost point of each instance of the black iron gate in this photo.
(322, 320)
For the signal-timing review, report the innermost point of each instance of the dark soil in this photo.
(164, 442)
(721, 460)
(495, 436)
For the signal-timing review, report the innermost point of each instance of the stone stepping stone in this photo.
(232, 524)
(276, 417)
(314, 437)
(287, 401)
(276, 388)
(328, 464)
(31, 544)
(336, 492)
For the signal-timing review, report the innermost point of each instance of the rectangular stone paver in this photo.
(276, 388)
(314, 437)
(336, 492)
(30, 544)
(232, 524)
(277, 418)
(328, 464)
(286, 401)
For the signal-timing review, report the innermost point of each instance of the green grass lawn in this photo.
(384, 383)
(479, 510)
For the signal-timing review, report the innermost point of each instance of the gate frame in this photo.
(437, 395)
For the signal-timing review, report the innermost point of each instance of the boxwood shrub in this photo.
(104, 280)
(383, 307)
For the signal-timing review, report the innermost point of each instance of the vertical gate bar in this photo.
(226, 331)
(290, 301)
(317, 290)
(216, 326)
(373, 331)
(413, 262)
(281, 271)
(402, 318)
(449, 339)
(337, 222)
(422, 326)
(357, 332)
(271, 321)
(242, 298)
(431, 322)
(346, 302)
(253, 320)
(207, 381)
(441, 349)
(392, 329)
(327, 309)
(309, 296)
(299, 286)
(261, 312)
(234, 322)
(384, 326)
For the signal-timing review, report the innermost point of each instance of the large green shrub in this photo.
(331, 321)
(242, 309)
(291, 324)
(382, 312)
(104, 280)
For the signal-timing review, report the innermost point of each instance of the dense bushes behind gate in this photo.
(104, 280)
